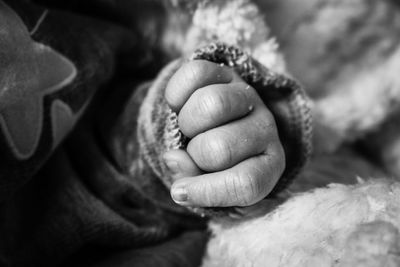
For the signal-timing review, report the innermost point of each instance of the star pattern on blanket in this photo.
(29, 71)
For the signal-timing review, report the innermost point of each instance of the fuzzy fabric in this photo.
(237, 23)
(335, 226)
(347, 54)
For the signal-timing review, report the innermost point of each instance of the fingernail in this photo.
(173, 166)
(179, 195)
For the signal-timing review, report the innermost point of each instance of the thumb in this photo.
(180, 164)
(242, 185)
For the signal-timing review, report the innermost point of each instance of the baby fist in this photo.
(234, 157)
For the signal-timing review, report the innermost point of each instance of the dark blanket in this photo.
(75, 189)
(86, 203)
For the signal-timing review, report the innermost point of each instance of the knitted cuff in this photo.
(158, 125)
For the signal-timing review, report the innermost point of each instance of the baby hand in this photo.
(234, 157)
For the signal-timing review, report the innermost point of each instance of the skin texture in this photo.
(234, 157)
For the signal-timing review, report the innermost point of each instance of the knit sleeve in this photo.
(158, 129)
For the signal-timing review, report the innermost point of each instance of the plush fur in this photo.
(324, 227)
(237, 22)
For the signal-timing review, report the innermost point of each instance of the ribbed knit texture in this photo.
(159, 129)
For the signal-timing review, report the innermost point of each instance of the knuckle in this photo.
(214, 152)
(254, 186)
(187, 121)
(244, 96)
(210, 195)
(266, 124)
(170, 93)
(220, 151)
(193, 70)
(245, 189)
(272, 165)
(212, 103)
(274, 158)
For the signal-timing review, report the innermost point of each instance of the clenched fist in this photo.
(234, 157)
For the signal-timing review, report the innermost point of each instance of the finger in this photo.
(214, 105)
(180, 164)
(223, 147)
(191, 76)
(243, 185)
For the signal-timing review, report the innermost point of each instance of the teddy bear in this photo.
(346, 53)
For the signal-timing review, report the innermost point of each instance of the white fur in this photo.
(236, 23)
(311, 229)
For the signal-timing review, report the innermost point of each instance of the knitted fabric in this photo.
(159, 129)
